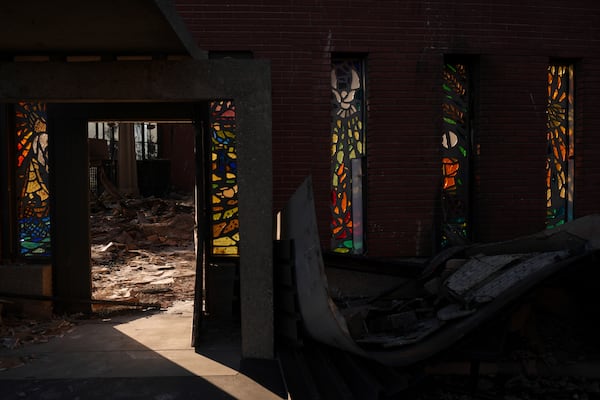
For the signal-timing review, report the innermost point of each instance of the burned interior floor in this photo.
(142, 250)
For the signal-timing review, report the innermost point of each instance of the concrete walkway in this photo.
(141, 356)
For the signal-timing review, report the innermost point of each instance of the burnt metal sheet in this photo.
(437, 326)
(321, 316)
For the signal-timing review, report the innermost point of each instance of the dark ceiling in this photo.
(73, 27)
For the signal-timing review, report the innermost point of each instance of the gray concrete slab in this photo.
(141, 350)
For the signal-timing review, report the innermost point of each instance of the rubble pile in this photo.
(142, 250)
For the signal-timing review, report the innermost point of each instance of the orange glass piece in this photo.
(450, 170)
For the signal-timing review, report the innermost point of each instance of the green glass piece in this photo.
(29, 245)
(449, 121)
(463, 151)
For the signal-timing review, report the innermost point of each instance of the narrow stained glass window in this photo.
(559, 163)
(347, 151)
(455, 154)
(32, 180)
(224, 188)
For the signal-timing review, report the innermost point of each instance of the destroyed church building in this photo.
(423, 125)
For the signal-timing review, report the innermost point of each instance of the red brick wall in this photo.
(405, 42)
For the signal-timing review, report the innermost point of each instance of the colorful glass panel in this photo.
(224, 188)
(347, 144)
(32, 180)
(560, 149)
(455, 150)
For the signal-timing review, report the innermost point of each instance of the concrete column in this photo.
(128, 182)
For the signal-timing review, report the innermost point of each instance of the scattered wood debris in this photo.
(16, 332)
(143, 250)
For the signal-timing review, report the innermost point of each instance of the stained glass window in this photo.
(224, 188)
(32, 180)
(347, 150)
(559, 163)
(455, 154)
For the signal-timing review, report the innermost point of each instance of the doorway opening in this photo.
(142, 214)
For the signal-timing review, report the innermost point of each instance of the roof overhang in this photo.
(94, 27)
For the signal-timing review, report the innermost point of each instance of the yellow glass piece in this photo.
(357, 135)
(338, 123)
(233, 156)
(224, 241)
(32, 185)
(340, 156)
(216, 216)
(215, 178)
(214, 156)
(341, 250)
(229, 175)
(334, 138)
(228, 251)
(230, 213)
(236, 237)
(359, 147)
(215, 199)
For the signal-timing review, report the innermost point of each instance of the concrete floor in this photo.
(145, 356)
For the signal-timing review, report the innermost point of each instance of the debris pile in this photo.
(17, 332)
(142, 250)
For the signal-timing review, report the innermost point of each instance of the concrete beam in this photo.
(248, 82)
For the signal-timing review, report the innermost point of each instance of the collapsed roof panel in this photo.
(401, 328)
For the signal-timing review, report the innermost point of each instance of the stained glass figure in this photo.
(224, 188)
(347, 144)
(560, 145)
(455, 149)
(32, 180)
